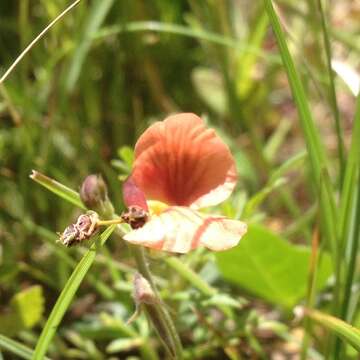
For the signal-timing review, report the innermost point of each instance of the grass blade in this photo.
(37, 38)
(347, 193)
(339, 327)
(350, 218)
(315, 148)
(97, 14)
(58, 189)
(67, 295)
(176, 29)
(332, 92)
(16, 348)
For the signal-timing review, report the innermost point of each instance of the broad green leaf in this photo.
(347, 332)
(268, 266)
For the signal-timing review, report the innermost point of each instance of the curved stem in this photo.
(157, 312)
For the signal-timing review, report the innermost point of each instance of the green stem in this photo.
(188, 274)
(332, 92)
(351, 268)
(157, 312)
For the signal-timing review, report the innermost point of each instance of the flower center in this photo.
(156, 207)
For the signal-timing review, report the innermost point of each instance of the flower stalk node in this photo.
(135, 216)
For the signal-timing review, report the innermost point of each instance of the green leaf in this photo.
(29, 305)
(126, 153)
(268, 266)
(26, 310)
(66, 296)
(339, 327)
(126, 344)
(311, 134)
(315, 148)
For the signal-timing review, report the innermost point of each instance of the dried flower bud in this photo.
(69, 236)
(83, 229)
(136, 216)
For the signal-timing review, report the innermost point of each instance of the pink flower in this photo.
(181, 166)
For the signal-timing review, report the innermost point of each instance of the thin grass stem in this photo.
(36, 39)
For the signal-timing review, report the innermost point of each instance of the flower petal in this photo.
(133, 195)
(180, 229)
(179, 161)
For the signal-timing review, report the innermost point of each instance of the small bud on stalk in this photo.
(143, 294)
(94, 195)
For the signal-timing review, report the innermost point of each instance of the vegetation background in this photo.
(282, 97)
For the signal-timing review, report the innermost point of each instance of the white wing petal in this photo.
(180, 229)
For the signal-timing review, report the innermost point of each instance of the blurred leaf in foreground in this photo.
(266, 265)
(26, 309)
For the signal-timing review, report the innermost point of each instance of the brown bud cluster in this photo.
(83, 229)
(136, 216)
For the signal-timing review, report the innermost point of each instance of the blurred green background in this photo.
(77, 103)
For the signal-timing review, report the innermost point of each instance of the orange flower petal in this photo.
(180, 229)
(179, 161)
